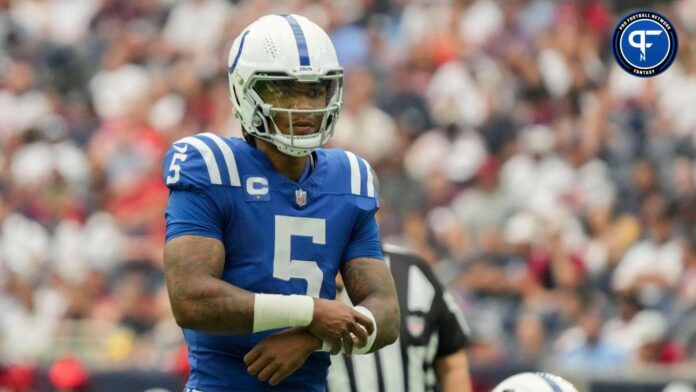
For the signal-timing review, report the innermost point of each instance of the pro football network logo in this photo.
(645, 43)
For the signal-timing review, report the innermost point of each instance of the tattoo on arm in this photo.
(370, 284)
(200, 300)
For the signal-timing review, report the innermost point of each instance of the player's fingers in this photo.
(252, 355)
(335, 345)
(360, 335)
(268, 371)
(347, 343)
(364, 321)
(281, 373)
(258, 364)
(277, 377)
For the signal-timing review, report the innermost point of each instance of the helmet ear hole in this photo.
(330, 121)
(262, 124)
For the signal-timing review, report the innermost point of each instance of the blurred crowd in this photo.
(553, 193)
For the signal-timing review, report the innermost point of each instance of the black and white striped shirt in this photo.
(432, 327)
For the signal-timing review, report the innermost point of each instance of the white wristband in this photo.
(273, 311)
(370, 339)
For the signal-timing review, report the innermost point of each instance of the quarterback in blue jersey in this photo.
(258, 228)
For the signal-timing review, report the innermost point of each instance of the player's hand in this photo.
(339, 324)
(281, 354)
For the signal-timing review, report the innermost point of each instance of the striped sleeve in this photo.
(196, 162)
(364, 241)
(362, 181)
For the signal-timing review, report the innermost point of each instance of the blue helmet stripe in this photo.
(299, 39)
(239, 52)
(549, 380)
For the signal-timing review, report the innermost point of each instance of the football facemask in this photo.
(296, 116)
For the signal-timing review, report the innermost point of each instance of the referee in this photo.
(429, 354)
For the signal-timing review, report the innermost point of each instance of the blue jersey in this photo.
(280, 237)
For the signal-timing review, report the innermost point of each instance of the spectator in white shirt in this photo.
(652, 266)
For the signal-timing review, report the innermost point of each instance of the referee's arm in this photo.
(453, 372)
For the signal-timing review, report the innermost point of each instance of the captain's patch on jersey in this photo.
(256, 188)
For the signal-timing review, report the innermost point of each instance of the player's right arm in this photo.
(200, 300)
(194, 254)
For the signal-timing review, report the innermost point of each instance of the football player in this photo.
(258, 228)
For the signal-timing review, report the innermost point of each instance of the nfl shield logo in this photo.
(300, 197)
(415, 325)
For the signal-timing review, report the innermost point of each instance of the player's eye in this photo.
(314, 92)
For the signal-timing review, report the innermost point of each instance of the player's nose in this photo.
(309, 99)
(302, 101)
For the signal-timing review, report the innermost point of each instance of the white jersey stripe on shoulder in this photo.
(454, 308)
(208, 157)
(355, 178)
(370, 180)
(229, 157)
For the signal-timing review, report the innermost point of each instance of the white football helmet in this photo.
(535, 382)
(282, 49)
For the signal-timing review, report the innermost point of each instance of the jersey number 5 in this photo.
(283, 266)
(174, 168)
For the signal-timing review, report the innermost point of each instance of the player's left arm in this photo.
(369, 283)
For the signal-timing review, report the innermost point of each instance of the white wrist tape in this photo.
(273, 311)
(370, 339)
